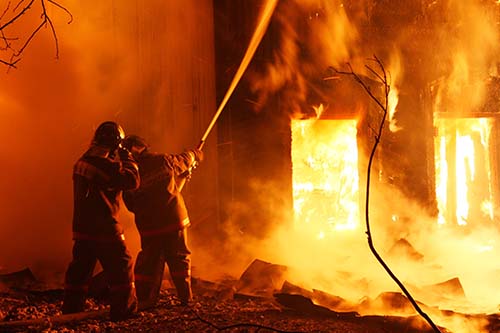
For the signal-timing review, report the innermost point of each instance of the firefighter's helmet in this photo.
(134, 141)
(109, 134)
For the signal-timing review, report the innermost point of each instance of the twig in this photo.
(5, 11)
(18, 4)
(10, 64)
(63, 8)
(384, 106)
(45, 21)
(16, 17)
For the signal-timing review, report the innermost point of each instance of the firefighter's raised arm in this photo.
(127, 177)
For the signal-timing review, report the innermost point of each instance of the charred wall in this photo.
(407, 154)
(424, 31)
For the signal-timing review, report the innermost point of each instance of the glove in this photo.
(198, 154)
(124, 154)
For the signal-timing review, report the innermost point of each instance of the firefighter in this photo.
(98, 182)
(161, 218)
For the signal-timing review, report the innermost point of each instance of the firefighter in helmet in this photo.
(99, 178)
(161, 218)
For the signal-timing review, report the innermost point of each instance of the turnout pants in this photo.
(118, 270)
(169, 248)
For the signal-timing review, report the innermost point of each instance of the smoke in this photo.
(456, 46)
(147, 66)
(312, 36)
(466, 50)
(341, 263)
(49, 109)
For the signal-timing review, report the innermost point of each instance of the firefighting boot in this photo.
(183, 287)
(148, 291)
(123, 302)
(143, 289)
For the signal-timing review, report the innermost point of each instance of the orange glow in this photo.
(393, 98)
(463, 173)
(325, 175)
(396, 73)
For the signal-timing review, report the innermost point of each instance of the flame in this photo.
(459, 78)
(325, 175)
(319, 110)
(392, 104)
(468, 59)
(463, 173)
(395, 71)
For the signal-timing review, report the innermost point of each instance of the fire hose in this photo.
(263, 23)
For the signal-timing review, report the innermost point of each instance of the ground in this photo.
(207, 314)
(25, 309)
(216, 307)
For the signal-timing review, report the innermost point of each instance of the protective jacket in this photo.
(98, 183)
(158, 205)
(161, 218)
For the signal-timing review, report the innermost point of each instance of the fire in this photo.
(393, 98)
(463, 173)
(325, 175)
(395, 70)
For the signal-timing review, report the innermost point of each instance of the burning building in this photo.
(295, 139)
(285, 175)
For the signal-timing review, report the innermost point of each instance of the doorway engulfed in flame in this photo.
(463, 170)
(325, 175)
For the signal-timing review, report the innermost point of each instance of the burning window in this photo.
(463, 170)
(325, 175)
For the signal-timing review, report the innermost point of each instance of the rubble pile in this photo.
(247, 304)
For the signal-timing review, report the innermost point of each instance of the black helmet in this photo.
(109, 134)
(134, 140)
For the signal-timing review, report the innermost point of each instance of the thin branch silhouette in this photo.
(381, 76)
(10, 18)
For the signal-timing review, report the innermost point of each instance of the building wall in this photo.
(148, 65)
(170, 49)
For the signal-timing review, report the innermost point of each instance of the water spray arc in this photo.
(263, 23)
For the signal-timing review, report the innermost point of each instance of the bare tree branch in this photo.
(13, 17)
(381, 75)
(63, 8)
(5, 11)
(7, 41)
(10, 64)
(358, 79)
(18, 4)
